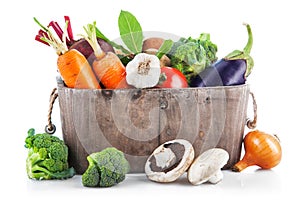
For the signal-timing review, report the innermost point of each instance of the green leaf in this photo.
(100, 35)
(164, 48)
(130, 31)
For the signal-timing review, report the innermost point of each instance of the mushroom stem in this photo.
(169, 161)
(165, 158)
(217, 177)
(207, 167)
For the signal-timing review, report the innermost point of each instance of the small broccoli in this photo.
(106, 168)
(191, 56)
(47, 157)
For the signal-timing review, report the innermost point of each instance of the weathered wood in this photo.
(207, 117)
(180, 117)
(137, 121)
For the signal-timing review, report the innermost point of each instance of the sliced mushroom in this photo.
(169, 161)
(207, 167)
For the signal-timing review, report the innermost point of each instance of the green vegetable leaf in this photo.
(130, 31)
(100, 35)
(164, 48)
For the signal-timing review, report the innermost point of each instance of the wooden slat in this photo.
(137, 121)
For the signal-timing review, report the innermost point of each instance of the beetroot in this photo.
(84, 47)
(80, 45)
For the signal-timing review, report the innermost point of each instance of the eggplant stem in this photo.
(245, 54)
(248, 47)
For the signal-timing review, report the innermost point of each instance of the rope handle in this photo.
(50, 127)
(251, 124)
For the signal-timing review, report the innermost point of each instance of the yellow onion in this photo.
(261, 149)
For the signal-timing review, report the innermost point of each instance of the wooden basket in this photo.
(137, 121)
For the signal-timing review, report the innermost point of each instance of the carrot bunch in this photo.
(72, 65)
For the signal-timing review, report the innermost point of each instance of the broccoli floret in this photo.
(191, 56)
(47, 157)
(91, 177)
(106, 168)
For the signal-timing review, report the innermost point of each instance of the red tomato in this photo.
(175, 79)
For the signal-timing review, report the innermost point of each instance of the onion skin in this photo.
(261, 149)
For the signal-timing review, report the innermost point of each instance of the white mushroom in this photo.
(207, 167)
(169, 161)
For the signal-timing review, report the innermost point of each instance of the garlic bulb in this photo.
(143, 71)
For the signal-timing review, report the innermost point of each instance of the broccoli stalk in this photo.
(47, 157)
(106, 168)
(37, 168)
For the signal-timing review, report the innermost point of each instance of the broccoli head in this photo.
(106, 168)
(47, 157)
(191, 56)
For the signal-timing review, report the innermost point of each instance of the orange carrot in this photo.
(76, 71)
(107, 66)
(109, 70)
(72, 65)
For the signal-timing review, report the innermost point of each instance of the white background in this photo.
(28, 73)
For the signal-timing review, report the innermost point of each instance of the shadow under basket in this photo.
(136, 121)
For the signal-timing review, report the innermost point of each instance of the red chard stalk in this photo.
(60, 33)
(69, 28)
(57, 29)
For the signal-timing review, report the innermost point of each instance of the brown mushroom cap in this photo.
(169, 161)
(151, 46)
(152, 43)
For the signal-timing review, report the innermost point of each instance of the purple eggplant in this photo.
(230, 70)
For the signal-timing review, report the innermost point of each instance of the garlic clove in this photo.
(143, 71)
